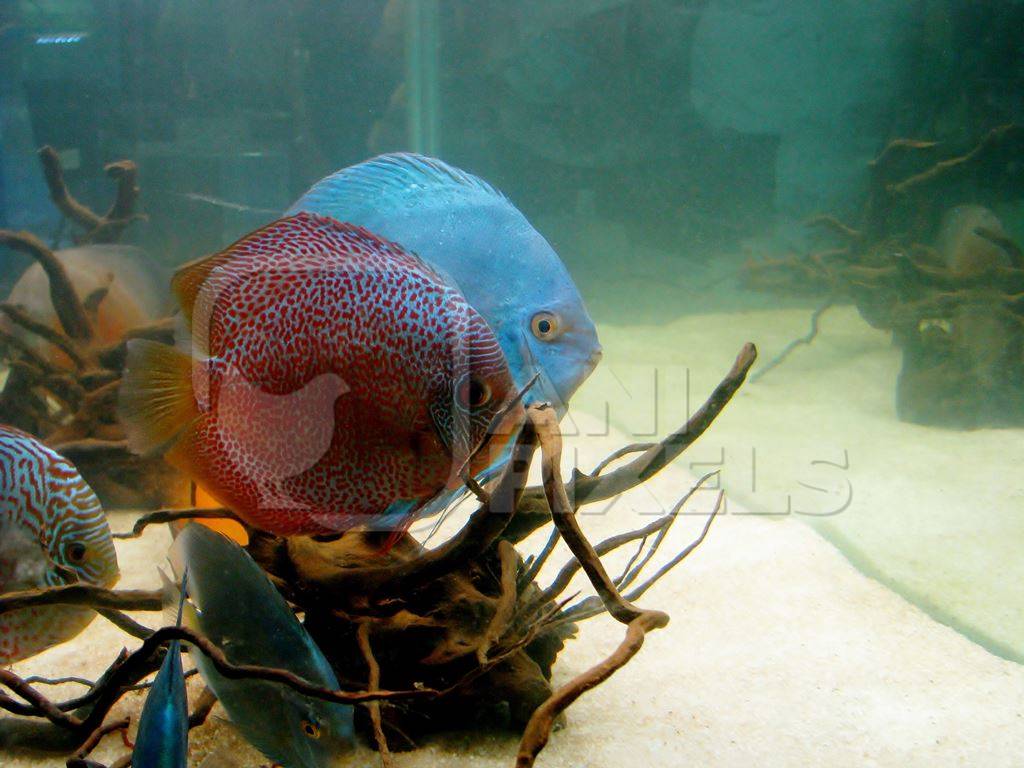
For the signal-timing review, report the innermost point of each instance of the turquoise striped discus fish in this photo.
(52, 531)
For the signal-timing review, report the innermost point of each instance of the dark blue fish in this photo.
(162, 739)
(240, 611)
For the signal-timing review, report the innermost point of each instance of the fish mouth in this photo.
(563, 394)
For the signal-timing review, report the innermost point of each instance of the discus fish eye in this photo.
(75, 552)
(545, 326)
(311, 729)
(474, 393)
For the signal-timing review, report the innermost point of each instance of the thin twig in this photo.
(171, 515)
(204, 706)
(630, 563)
(834, 225)
(373, 683)
(37, 680)
(637, 593)
(614, 456)
(125, 623)
(541, 560)
(807, 338)
(944, 167)
(663, 530)
(96, 736)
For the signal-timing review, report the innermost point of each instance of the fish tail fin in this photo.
(181, 598)
(178, 611)
(156, 400)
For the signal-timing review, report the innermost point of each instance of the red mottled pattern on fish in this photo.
(54, 531)
(330, 349)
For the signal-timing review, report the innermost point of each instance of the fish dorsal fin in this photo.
(188, 280)
(388, 180)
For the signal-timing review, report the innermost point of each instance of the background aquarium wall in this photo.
(841, 183)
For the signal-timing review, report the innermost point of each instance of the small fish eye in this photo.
(475, 394)
(75, 552)
(545, 326)
(311, 729)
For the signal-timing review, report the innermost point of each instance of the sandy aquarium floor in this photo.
(938, 515)
(780, 652)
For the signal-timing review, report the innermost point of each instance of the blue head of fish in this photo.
(471, 233)
(240, 610)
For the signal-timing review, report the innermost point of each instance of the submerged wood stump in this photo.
(460, 636)
(932, 266)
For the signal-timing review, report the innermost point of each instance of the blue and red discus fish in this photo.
(332, 373)
(52, 531)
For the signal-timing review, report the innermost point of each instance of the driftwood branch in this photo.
(538, 730)
(372, 684)
(583, 489)
(59, 339)
(85, 595)
(161, 516)
(53, 173)
(564, 515)
(98, 229)
(129, 669)
(806, 339)
(64, 297)
(945, 167)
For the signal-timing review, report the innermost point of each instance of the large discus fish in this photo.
(333, 373)
(52, 532)
(239, 610)
(468, 230)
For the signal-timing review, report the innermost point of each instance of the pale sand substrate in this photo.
(936, 514)
(779, 653)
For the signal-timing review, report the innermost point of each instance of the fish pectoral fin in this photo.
(156, 400)
(435, 429)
